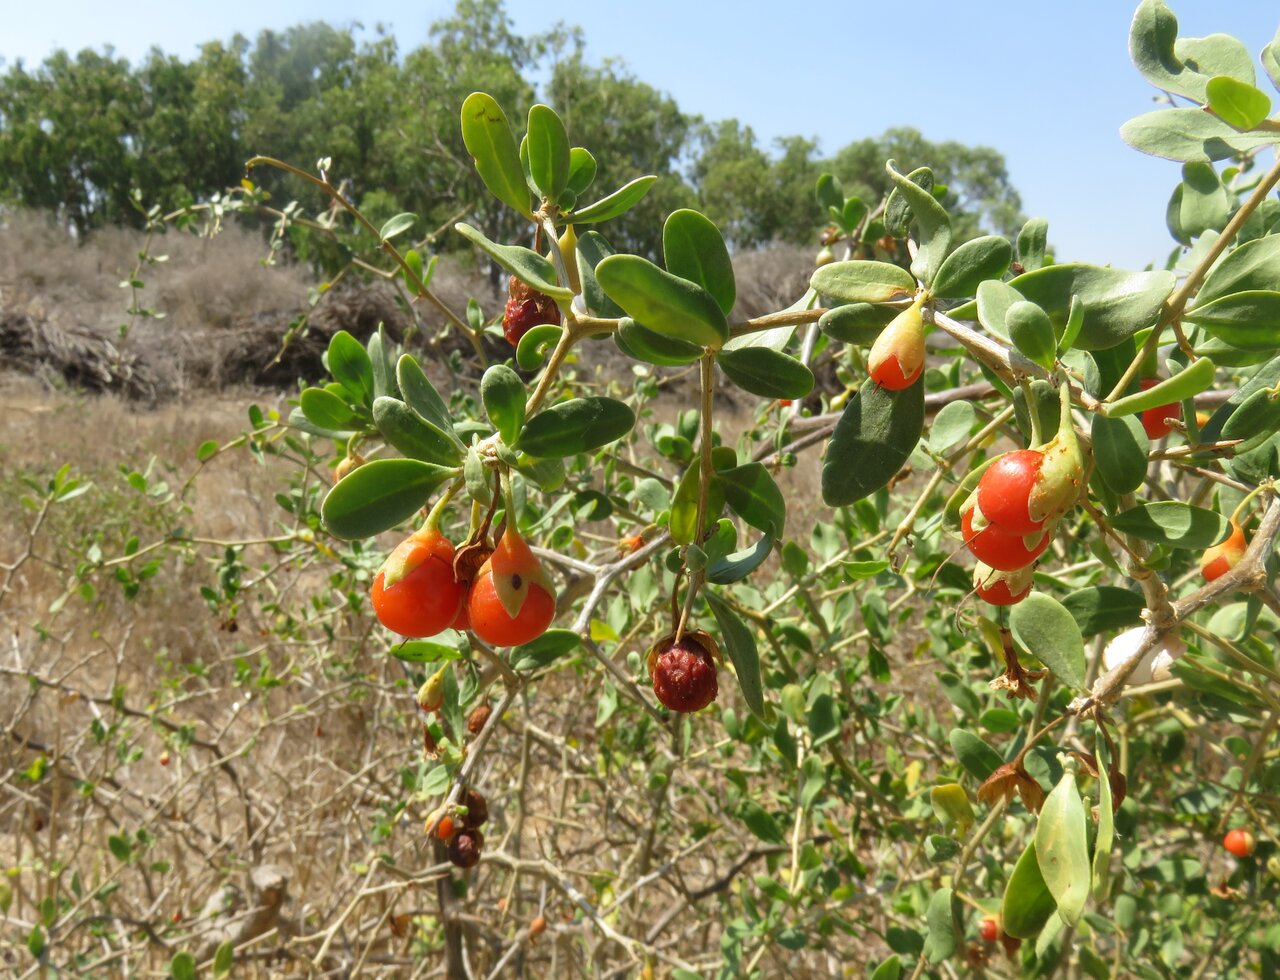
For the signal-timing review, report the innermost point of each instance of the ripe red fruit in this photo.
(684, 673)
(415, 593)
(526, 308)
(1153, 419)
(512, 600)
(1004, 491)
(1002, 588)
(1000, 549)
(1224, 556)
(464, 849)
(989, 928)
(1240, 842)
(896, 358)
(446, 828)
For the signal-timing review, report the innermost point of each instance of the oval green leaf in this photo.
(979, 759)
(767, 373)
(1062, 849)
(578, 425)
(1049, 633)
(620, 201)
(349, 363)
(379, 495)
(971, 264)
(1196, 377)
(547, 145)
(1028, 903)
(1173, 523)
(592, 247)
(523, 263)
(326, 410)
(582, 171)
(752, 494)
(856, 323)
(642, 344)
(549, 647)
(1120, 449)
(664, 303)
(533, 346)
(740, 645)
(1236, 103)
(488, 138)
(873, 438)
(1031, 331)
(863, 281)
(398, 225)
(503, 394)
(421, 395)
(1248, 320)
(694, 249)
(932, 221)
(737, 565)
(412, 435)
(942, 915)
(1104, 609)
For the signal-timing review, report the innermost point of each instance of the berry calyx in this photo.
(431, 693)
(526, 308)
(1224, 556)
(1000, 549)
(684, 672)
(415, 592)
(1002, 588)
(464, 849)
(1004, 491)
(1153, 419)
(1240, 842)
(512, 600)
(896, 358)
(989, 929)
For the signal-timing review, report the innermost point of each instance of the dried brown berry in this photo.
(477, 810)
(525, 309)
(476, 720)
(464, 849)
(684, 673)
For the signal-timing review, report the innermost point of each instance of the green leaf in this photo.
(1267, 376)
(207, 450)
(1028, 903)
(183, 966)
(858, 570)
(413, 436)
(1048, 632)
(664, 303)
(1258, 413)
(873, 438)
(1188, 135)
(582, 171)
(36, 942)
(766, 372)
(760, 822)
(384, 371)
(1202, 202)
(694, 249)
(350, 366)
(829, 194)
(535, 343)
(223, 959)
(1271, 60)
(546, 649)
(488, 138)
(503, 394)
(1196, 377)
(740, 645)
(1106, 823)
(932, 220)
(942, 915)
(863, 282)
(1117, 303)
(620, 201)
(971, 264)
(1251, 266)
(897, 210)
(1104, 609)
(1248, 320)
(578, 425)
(1173, 523)
(751, 493)
(1033, 241)
(397, 226)
(379, 495)
(420, 395)
(856, 323)
(1031, 331)
(424, 652)
(1062, 849)
(994, 301)
(642, 344)
(979, 759)
(592, 248)
(736, 566)
(952, 425)
(1153, 36)
(890, 969)
(1120, 448)
(323, 408)
(523, 263)
(684, 506)
(548, 147)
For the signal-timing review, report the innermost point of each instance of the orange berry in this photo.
(512, 600)
(1240, 842)
(415, 592)
(1153, 419)
(1224, 556)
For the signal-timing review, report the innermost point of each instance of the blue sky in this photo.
(1046, 83)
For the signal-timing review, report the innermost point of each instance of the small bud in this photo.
(896, 358)
(431, 693)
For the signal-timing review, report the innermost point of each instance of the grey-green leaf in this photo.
(767, 373)
(694, 249)
(1048, 632)
(873, 438)
(1062, 848)
(1120, 447)
(971, 264)
(1028, 904)
(863, 281)
(578, 425)
(740, 645)
(547, 144)
(488, 138)
(379, 495)
(979, 759)
(1173, 523)
(942, 916)
(503, 394)
(523, 263)
(412, 435)
(620, 201)
(752, 494)
(1117, 303)
(664, 303)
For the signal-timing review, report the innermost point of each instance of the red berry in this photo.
(526, 308)
(445, 829)
(415, 593)
(684, 673)
(1224, 556)
(514, 566)
(1002, 588)
(1000, 549)
(1240, 842)
(989, 928)
(464, 849)
(1153, 419)
(1004, 491)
